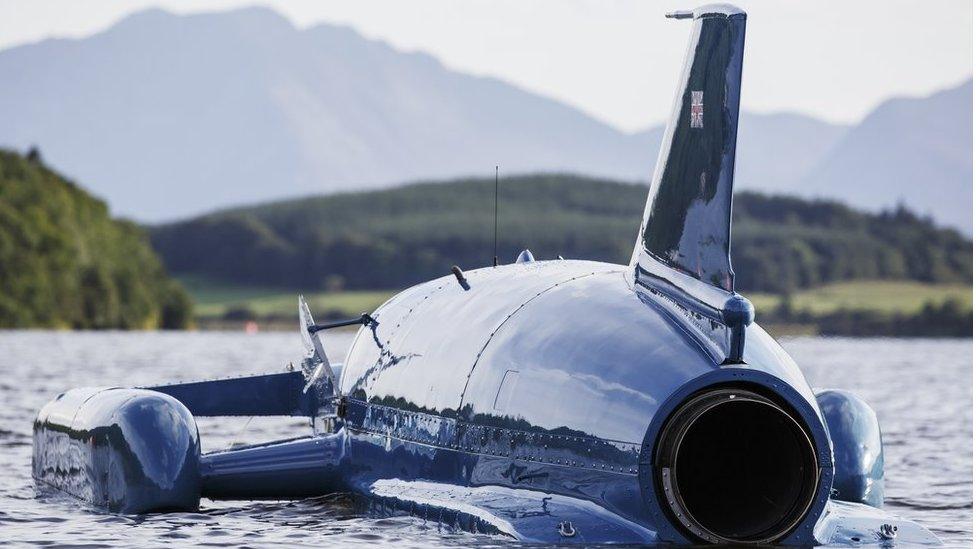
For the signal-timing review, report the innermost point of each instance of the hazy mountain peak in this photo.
(916, 150)
(243, 15)
(148, 16)
(347, 40)
(170, 115)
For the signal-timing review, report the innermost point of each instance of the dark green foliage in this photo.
(240, 312)
(397, 237)
(947, 319)
(65, 263)
(784, 243)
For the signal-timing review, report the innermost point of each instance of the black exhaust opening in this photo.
(736, 467)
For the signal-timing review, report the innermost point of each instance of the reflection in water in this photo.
(921, 390)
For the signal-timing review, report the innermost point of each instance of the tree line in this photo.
(65, 263)
(394, 238)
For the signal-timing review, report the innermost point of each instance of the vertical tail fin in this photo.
(683, 247)
(687, 219)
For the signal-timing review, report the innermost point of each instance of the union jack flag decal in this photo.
(697, 110)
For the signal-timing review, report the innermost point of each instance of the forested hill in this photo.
(394, 238)
(277, 110)
(64, 263)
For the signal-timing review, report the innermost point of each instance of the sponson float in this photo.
(551, 401)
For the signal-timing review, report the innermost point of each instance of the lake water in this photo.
(921, 390)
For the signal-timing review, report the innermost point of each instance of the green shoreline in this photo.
(861, 308)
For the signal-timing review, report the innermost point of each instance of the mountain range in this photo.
(166, 116)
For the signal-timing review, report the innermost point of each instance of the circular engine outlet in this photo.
(736, 467)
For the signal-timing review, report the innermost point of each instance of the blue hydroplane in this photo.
(550, 401)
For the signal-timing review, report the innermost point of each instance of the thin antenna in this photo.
(494, 262)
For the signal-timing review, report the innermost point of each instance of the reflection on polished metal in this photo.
(556, 401)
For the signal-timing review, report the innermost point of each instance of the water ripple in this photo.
(921, 390)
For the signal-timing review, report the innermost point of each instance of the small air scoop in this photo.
(525, 257)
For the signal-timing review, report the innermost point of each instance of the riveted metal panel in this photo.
(420, 353)
(593, 359)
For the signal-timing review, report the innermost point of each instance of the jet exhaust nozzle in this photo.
(736, 467)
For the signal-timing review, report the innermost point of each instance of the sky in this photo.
(618, 60)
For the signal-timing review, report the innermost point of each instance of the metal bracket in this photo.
(364, 319)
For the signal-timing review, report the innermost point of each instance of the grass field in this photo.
(884, 296)
(214, 300)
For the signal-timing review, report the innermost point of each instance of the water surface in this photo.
(921, 390)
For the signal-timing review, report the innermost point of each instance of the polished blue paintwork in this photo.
(569, 408)
(277, 394)
(137, 450)
(858, 451)
(687, 218)
(444, 328)
(126, 450)
(307, 466)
